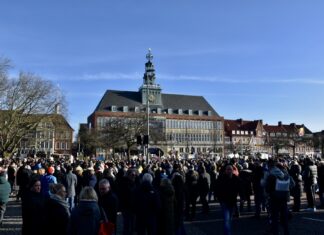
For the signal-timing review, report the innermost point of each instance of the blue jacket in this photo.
(46, 180)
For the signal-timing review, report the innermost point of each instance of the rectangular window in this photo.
(57, 145)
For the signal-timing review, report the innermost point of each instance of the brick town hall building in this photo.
(187, 124)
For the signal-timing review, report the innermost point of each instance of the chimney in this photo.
(279, 123)
(58, 108)
(240, 121)
(293, 124)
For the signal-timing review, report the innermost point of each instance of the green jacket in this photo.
(5, 190)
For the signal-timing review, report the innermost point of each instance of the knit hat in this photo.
(50, 170)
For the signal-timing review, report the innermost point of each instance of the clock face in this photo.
(151, 98)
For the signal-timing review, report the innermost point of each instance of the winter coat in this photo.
(33, 213)
(46, 180)
(227, 189)
(310, 175)
(109, 203)
(270, 185)
(246, 184)
(57, 216)
(167, 215)
(204, 183)
(147, 207)
(5, 190)
(85, 219)
(295, 173)
(320, 171)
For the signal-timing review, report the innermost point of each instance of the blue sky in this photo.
(249, 59)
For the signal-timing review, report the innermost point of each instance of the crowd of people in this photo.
(156, 198)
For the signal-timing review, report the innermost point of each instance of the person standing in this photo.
(320, 170)
(5, 190)
(278, 185)
(108, 201)
(71, 181)
(180, 202)
(310, 181)
(85, 218)
(147, 207)
(192, 190)
(295, 173)
(33, 209)
(167, 215)
(46, 180)
(227, 190)
(57, 213)
(203, 187)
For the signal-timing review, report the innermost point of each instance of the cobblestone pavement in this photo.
(310, 223)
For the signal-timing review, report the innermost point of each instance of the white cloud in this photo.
(105, 76)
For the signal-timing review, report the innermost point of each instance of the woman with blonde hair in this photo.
(85, 218)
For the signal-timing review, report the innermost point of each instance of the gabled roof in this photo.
(59, 121)
(173, 101)
(273, 128)
(282, 128)
(240, 124)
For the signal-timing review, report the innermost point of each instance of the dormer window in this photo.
(137, 109)
(125, 109)
(180, 112)
(190, 111)
(170, 111)
(209, 113)
(159, 110)
(200, 112)
(113, 108)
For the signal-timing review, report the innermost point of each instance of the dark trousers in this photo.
(279, 211)
(2, 211)
(204, 202)
(310, 195)
(190, 212)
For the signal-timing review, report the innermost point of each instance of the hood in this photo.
(277, 172)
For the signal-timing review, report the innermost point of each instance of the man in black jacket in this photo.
(108, 201)
(227, 190)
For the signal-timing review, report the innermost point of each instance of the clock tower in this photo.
(150, 91)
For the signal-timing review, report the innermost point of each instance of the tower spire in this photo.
(149, 75)
(150, 91)
(149, 55)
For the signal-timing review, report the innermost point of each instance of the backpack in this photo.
(282, 189)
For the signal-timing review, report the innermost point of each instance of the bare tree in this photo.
(23, 103)
(122, 132)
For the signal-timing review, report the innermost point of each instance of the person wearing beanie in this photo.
(46, 180)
